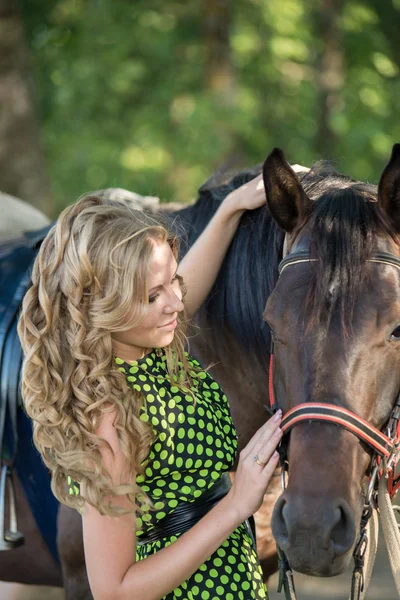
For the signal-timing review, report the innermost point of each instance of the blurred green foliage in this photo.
(123, 102)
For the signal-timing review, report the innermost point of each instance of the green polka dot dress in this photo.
(195, 443)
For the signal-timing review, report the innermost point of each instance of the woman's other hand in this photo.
(248, 196)
(251, 195)
(300, 169)
(252, 478)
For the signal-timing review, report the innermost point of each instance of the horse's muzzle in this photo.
(317, 536)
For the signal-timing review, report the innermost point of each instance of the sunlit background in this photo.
(155, 96)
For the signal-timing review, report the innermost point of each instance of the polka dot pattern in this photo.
(233, 571)
(195, 442)
(188, 453)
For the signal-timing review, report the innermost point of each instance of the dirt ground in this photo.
(307, 588)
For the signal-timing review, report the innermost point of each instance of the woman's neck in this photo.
(127, 352)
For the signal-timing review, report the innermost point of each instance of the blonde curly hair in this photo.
(91, 265)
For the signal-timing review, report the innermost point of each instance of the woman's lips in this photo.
(169, 326)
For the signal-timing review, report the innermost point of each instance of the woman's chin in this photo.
(165, 339)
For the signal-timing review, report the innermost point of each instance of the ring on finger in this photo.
(256, 459)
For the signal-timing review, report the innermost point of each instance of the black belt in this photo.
(188, 514)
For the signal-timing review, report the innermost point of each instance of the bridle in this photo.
(385, 446)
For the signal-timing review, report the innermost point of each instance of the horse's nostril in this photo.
(343, 532)
(279, 526)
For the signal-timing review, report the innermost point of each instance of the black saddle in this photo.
(16, 259)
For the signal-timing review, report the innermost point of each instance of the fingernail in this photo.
(278, 432)
(278, 415)
(275, 454)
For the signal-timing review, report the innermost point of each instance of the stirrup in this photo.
(9, 538)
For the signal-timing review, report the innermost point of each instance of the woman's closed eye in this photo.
(176, 278)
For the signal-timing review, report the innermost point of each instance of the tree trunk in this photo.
(218, 68)
(329, 73)
(22, 171)
(219, 77)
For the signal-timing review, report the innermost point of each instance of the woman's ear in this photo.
(287, 201)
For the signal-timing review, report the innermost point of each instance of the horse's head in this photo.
(335, 320)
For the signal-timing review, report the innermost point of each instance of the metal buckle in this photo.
(9, 538)
(284, 470)
(372, 491)
(389, 463)
(283, 479)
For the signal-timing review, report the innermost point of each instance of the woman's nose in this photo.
(175, 303)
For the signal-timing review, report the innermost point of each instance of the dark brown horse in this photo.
(335, 319)
(235, 338)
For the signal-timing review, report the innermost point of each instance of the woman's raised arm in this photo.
(199, 267)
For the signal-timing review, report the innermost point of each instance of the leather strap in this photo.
(304, 256)
(188, 514)
(315, 411)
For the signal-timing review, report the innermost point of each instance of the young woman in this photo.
(137, 436)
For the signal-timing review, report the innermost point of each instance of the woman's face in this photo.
(165, 302)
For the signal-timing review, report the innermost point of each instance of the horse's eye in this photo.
(395, 334)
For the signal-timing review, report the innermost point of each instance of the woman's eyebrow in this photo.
(156, 287)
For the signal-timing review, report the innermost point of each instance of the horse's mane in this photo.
(249, 272)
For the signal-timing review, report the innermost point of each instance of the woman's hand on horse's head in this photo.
(251, 195)
(248, 196)
(257, 464)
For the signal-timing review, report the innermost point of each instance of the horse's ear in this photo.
(389, 187)
(287, 201)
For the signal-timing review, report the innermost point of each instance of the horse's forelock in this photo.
(343, 228)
